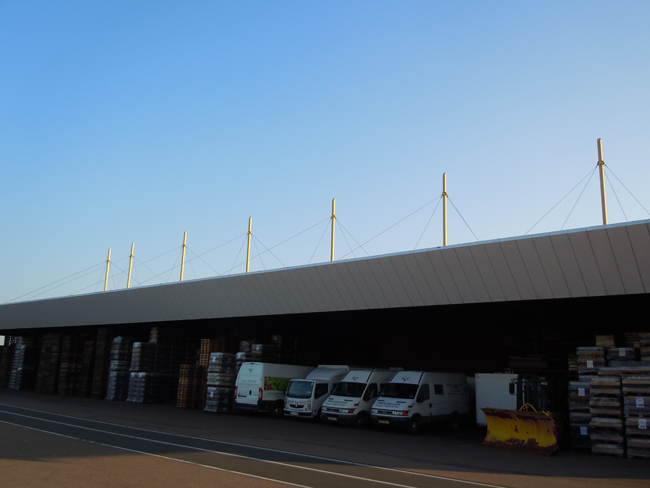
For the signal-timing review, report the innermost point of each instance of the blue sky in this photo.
(127, 122)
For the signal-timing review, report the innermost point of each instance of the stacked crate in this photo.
(86, 373)
(636, 396)
(191, 387)
(23, 365)
(48, 367)
(579, 414)
(118, 371)
(607, 427)
(147, 387)
(590, 360)
(71, 357)
(644, 346)
(6, 361)
(220, 382)
(265, 353)
(102, 362)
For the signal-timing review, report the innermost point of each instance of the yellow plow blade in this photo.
(529, 432)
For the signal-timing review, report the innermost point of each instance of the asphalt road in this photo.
(57, 441)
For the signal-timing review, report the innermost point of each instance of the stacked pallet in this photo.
(590, 360)
(143, 357)
(265, 353)
(579, 414)
(220, 382)
(148, 387)
(191, 387)
(85, 382)
(286, 348)
(644, 346)
(102, 362)
(71, 356)
(620, 355)
(118, 371)
(607, 428)
(224, 344)
(48, 367)
(633, 339)
(5, 364)
(636, 395)
(23, 365)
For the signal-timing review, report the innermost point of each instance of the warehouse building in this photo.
(519, 304)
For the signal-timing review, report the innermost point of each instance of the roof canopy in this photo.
(599, 261)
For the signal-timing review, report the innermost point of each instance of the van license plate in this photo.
(293, 413)
(332, 418)
(384, 422)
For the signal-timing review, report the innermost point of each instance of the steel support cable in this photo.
(352, 237)
(319, 241)
(215, 248)
(616, 195)
(234, 264)
(578, 199)
(463, 218)
(387, 229)
(202, 260)
(561, 199)
(96, 285)
(54, 282)
(269, 251)
(609, 170)
(428, 222)
(171, 270)
(258, 253)
(346, 240)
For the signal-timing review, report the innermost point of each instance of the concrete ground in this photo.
(296, 453)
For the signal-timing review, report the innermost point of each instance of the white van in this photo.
(305, 397)
(352, 399)
(260, 387)
(415, 398)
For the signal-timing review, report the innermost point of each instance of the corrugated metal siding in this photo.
(600, 261)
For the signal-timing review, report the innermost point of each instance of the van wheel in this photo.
(362, 421)
(415, 426)
(278, 410)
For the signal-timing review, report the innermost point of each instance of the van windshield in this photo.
(400, 390)
(349, 389)
(300, 389)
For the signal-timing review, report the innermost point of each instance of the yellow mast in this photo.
(128, 279)
(601, 165)
(183, 256)
(333, 221)
(248, 250)
(444, 209)
(108, 263)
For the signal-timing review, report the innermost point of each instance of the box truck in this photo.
(413, 399)
(352, 399)
(305, 397)
(260, 387)
(495, 390)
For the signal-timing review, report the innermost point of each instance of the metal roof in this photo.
(598, 261)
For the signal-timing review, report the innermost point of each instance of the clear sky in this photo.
(127, 122)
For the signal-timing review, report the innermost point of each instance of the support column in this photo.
(108, 263)
(601, 165)
(183, 256)
(444, 209)
(128, 279)
(333, 221)
(248, 250)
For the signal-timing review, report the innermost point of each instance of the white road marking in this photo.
(309, 456)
